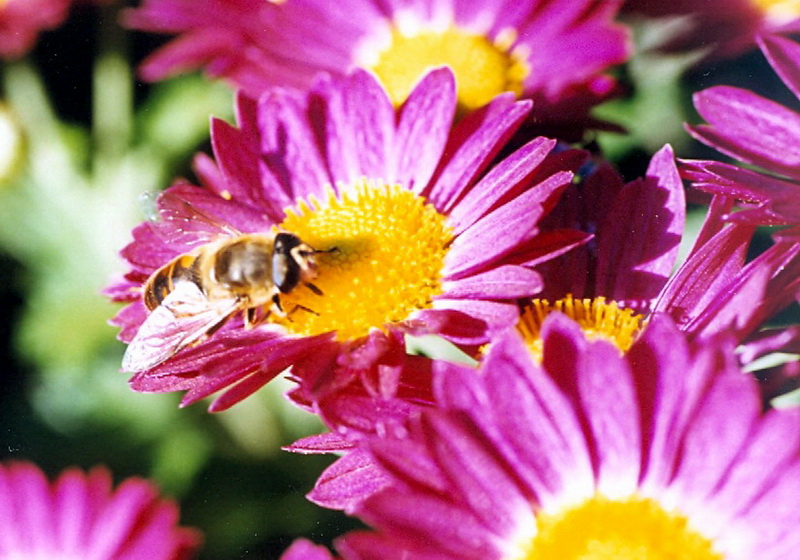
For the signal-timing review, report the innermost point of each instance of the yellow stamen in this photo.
(598, 319)
(390, 248)
(483, 69)
(779, 11)
(603, 529)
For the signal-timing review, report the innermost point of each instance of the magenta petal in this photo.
(423, 128)
(348, 482)
(502, 282)
(607, 394)
(766, 285)
(237, 158)
(772, 521)
(485, 482)
(456, 326)
(407, 458)
(659, 353)
(435, 521)
(770, 449)
(475, 141)
(784, 56)
(496, 315)
(328, 442)
(511, 171)
(290, 154)
(751, 128)
(303, 549)
(778, 201)
(708, 446)
(552, 459)
(479, 244)
(705, 275)
(639, 240)
(361, 105)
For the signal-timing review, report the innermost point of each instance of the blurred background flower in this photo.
(80, 515)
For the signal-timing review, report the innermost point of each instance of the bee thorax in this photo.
(243, 264)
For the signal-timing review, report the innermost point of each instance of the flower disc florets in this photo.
(385, 250)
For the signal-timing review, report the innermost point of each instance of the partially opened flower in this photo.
(721, 28)
(80, 515)
(552, 52)
(612, 285)
(21, 21)
(661, 453)
(394, 223)
(756, 131)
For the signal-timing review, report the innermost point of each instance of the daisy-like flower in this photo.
(756, 131)
(411, 228)
(80, 515)
(660, 453)
(21, 21)
(552, 52)
(612, 285)
(723, 28)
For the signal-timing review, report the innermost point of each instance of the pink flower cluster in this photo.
(605, 388)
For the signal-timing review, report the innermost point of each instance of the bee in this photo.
(194, 294)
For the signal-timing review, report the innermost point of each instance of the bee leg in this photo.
(250, 318)
(276, 306)
(303, 307)
(313, 288)
(211, 331)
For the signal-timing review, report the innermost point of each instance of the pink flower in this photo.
(721, 28)
(757, 131)
(552, 52)
(662, 452)
(21, 21)
(80, 515)
(302, 549)
(628, 271)
(416, 231)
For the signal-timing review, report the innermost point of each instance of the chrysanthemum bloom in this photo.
(550, 51)
(414, 233)
(612, 285)
(21, 21)
(660, 453)
(722, 28)
(80, 515)
(757, 131)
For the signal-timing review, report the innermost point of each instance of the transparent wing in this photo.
(180, 222)
(183, 317)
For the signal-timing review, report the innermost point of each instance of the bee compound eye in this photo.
(285, 269)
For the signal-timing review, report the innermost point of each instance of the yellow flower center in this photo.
(779, 11)
(483, 69)
(390, 246)
(603, 529)
(598, 319)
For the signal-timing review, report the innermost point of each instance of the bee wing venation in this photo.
(180, 222)
(182, 318)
